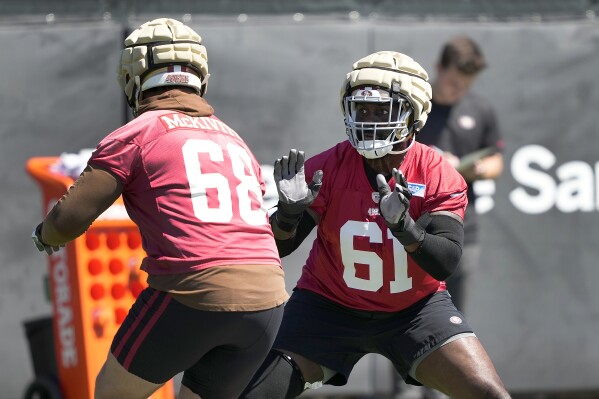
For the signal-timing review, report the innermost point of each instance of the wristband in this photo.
(408, 232)
(285, 222)
(286, 226)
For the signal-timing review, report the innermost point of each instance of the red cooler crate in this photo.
(94, 281)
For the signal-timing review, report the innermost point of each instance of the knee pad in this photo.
(278, 377)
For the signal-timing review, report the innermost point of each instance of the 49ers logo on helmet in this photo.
(368, 91)
(177, 78)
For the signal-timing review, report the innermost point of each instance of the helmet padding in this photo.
(389, 79)
(159, 44)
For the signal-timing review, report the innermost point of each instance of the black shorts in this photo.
(337, 337)
(219, 351)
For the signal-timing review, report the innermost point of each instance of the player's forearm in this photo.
(55, 234)
(93, 192)
(289, 240)
(438, 256)
(492, 166)
(484, 169)
(441, 250)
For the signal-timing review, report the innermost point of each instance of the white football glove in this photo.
(295, 196)
(36, 236)
(394, 206)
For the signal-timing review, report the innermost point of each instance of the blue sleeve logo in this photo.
(416, 189)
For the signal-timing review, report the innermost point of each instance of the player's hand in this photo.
(452, 159)
(295, 196)
(36, 236)
(394, 204)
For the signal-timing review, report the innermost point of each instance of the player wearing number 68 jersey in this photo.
(390, 214)
(195, 190)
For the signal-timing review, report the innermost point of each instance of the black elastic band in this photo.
(293, 364)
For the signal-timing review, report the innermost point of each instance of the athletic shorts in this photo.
(337, 337)
(219, 351)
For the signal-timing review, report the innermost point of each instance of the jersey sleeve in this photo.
(260, 177)
(117, 157)
(449, 193)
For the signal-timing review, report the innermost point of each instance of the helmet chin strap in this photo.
(412, 140)
(374, 153)
(136, 96)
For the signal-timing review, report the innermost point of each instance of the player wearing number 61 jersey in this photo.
(195, 190)
(390, 214)
(355, 259)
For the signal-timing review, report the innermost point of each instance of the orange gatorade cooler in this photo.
(93, 282)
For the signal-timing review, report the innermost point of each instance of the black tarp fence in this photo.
(276, 81)
(455, 9)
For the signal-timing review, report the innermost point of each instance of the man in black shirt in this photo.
(462, 125)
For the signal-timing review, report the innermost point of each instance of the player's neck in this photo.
(385, 164)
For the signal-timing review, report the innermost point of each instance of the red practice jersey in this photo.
(193, 188)
(355, 260)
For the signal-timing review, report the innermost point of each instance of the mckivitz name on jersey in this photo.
(181, 121)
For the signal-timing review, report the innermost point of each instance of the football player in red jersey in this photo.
(389, 213)
(216, 287)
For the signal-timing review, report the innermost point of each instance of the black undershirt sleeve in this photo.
(441, 250)
(91, 194)
(304, 227)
